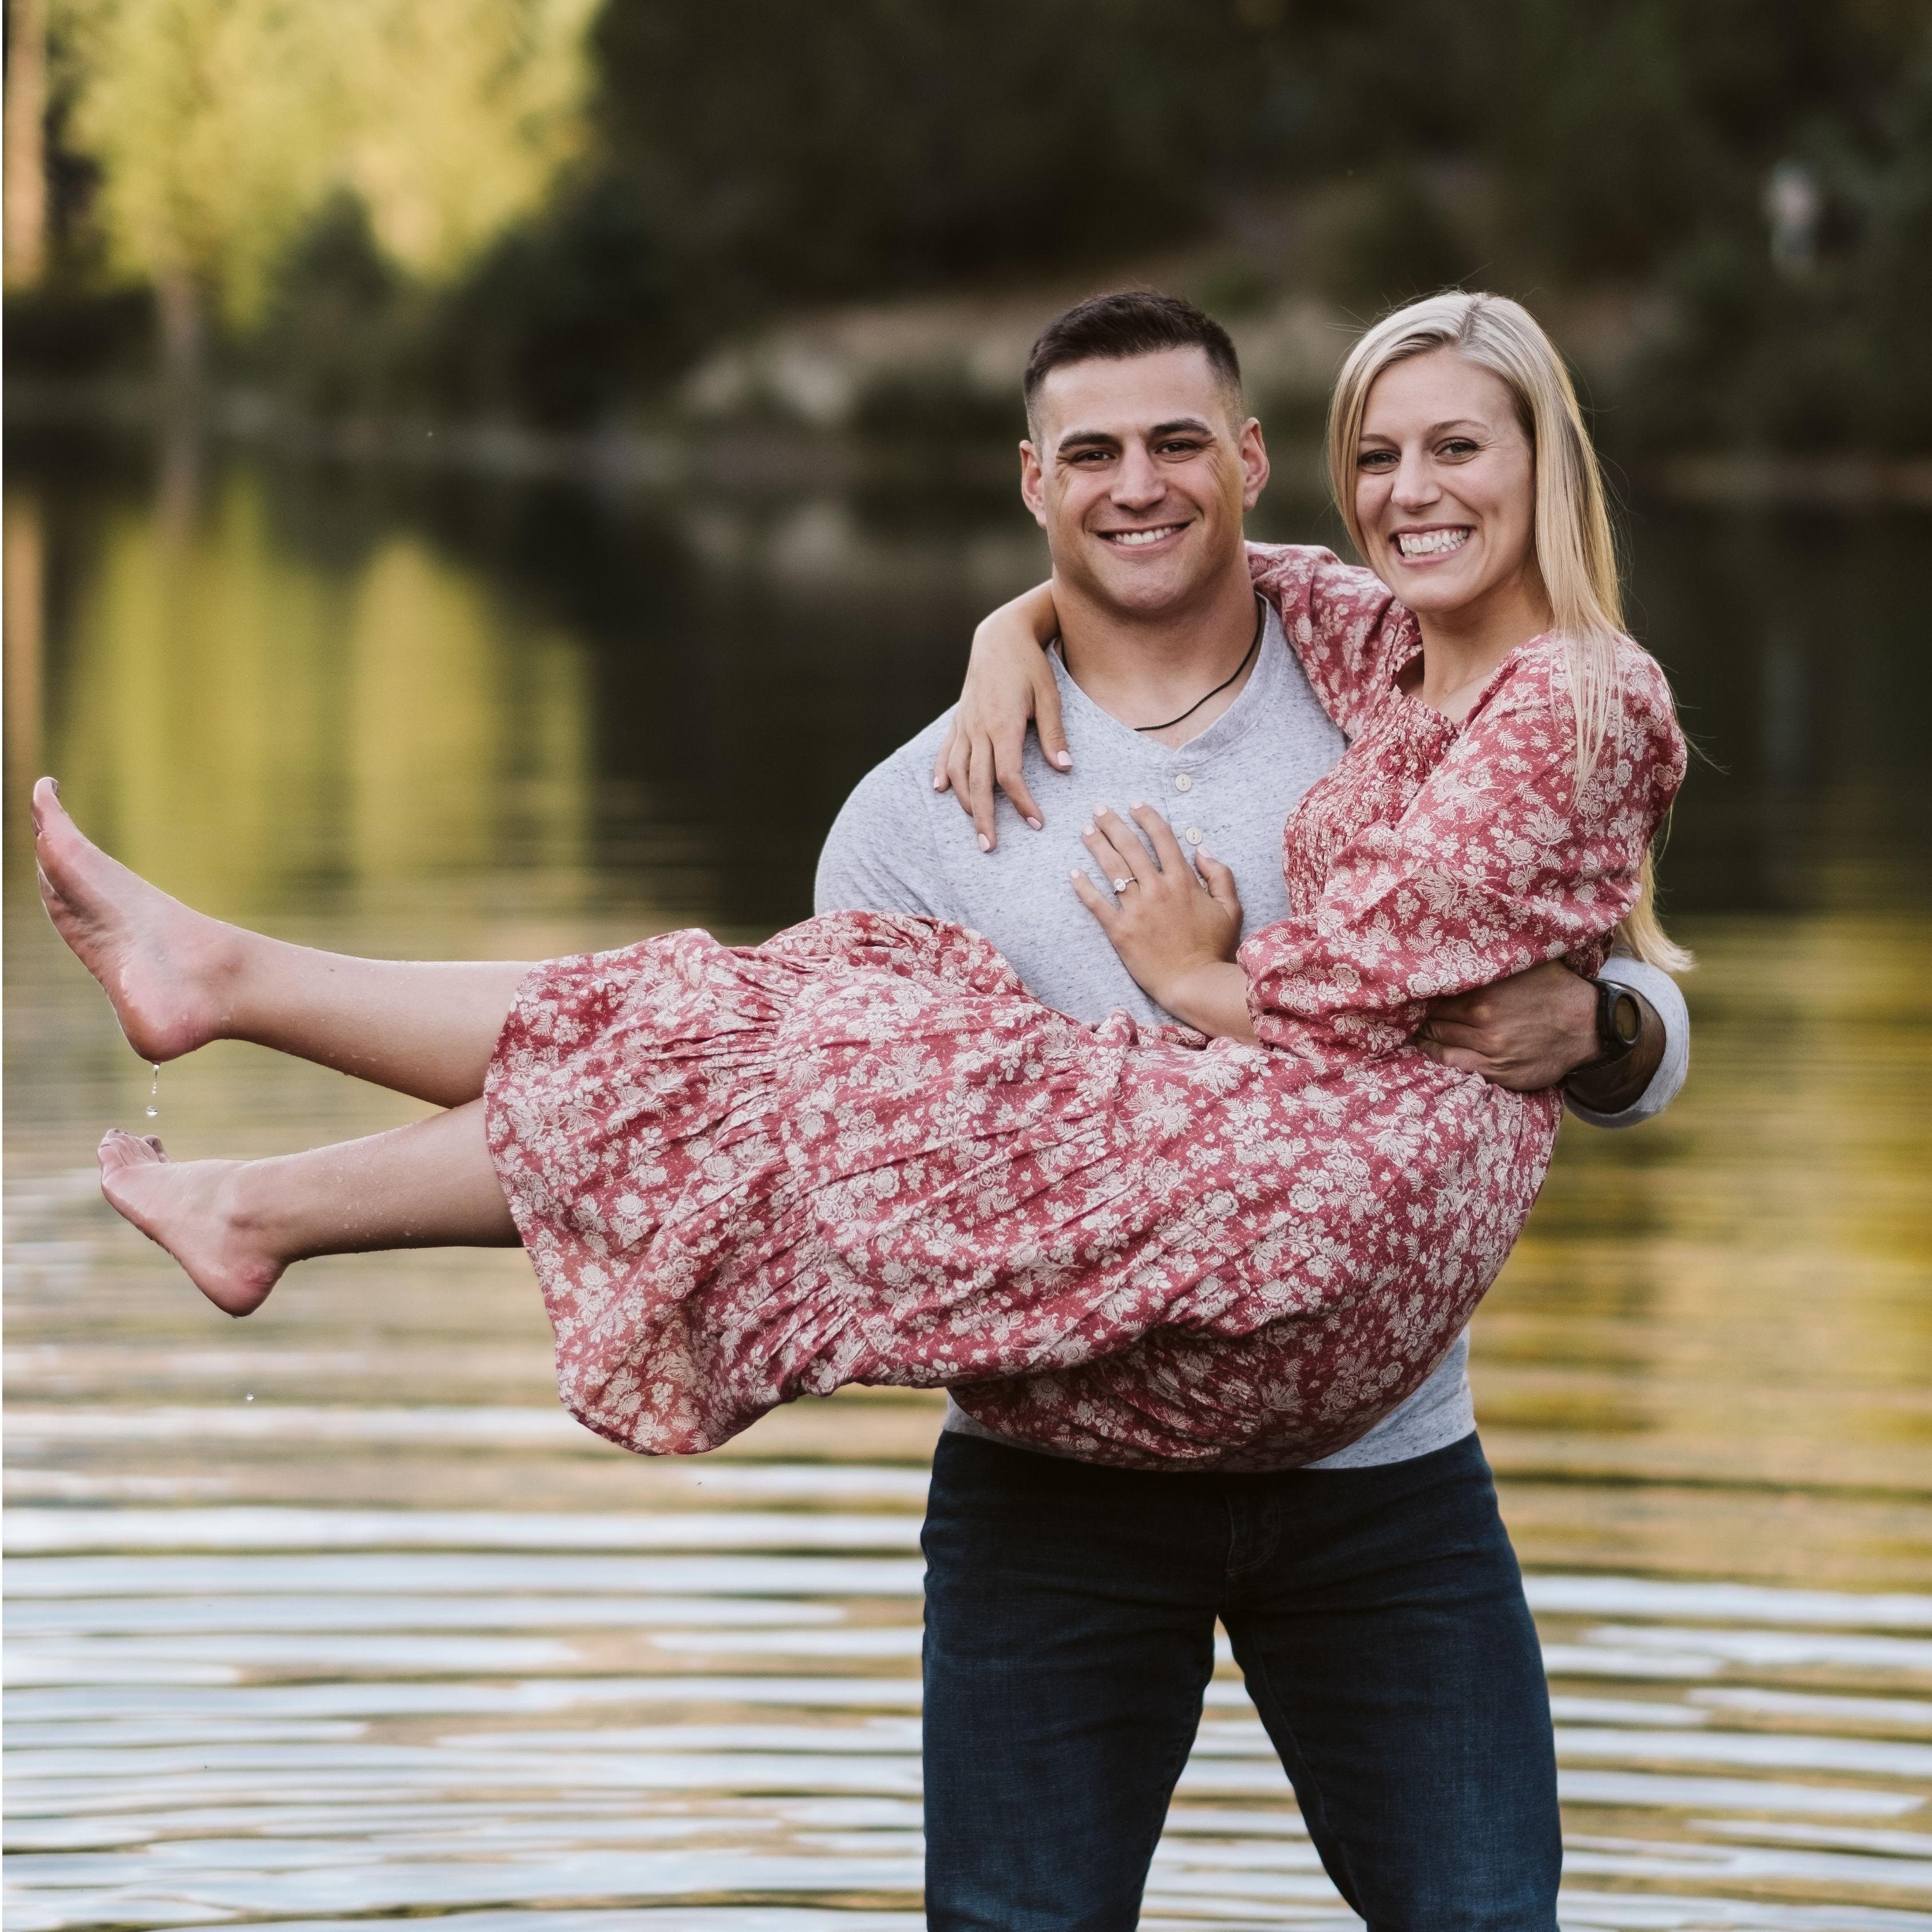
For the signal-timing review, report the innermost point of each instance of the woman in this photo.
(863, 1153)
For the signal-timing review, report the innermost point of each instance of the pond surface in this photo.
(334, 1615)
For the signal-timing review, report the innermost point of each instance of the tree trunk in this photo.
(25, 576)
(26, 162)
(178, 307)
(184, 338)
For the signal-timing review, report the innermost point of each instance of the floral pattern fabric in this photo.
(863, 1152)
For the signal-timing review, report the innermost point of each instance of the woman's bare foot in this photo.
(189, 1208)
(161, 964)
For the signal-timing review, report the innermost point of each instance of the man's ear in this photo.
(1033, 491)
(1254, 463)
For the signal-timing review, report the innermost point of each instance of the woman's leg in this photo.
(178, 979)
(234, 1226)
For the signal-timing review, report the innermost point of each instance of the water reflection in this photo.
(249, 720)
(322, 1774)
(334, 1614)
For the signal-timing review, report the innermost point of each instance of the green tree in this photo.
(455, 115)
(222, 127)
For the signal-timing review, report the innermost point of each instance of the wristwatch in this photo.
(1619, 1022)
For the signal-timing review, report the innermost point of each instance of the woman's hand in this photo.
(1009, 681)
(1175, 930)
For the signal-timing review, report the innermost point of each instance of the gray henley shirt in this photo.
(899, 846)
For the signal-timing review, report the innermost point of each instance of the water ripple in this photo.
(225, 1718)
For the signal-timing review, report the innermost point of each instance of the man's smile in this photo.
(1140, 539)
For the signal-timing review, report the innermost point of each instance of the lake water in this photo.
(333, 1614)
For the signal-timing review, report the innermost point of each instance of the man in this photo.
(1372, 1599)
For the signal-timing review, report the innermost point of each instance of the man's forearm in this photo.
(1611, 1088)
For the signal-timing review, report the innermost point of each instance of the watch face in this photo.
(1627, 1017)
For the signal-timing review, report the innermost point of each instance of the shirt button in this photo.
(1195, 834)
(1184, 781)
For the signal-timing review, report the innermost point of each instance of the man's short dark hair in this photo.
(1132, 322)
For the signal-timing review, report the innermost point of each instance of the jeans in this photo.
(1377, 1614)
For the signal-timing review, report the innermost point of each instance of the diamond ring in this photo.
(1121, 884)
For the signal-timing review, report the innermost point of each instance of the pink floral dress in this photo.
(863, 1153)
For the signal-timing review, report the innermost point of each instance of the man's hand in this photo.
(1534, 1030)
(1528, 1032)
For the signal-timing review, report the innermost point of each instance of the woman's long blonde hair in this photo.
(1575, 552)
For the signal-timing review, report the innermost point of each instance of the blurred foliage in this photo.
(934, 406)
(561, 317)
(206, 126)
(1838, 355)
(1401, 244)
(794, 149)
(221, 128)
(517, 207)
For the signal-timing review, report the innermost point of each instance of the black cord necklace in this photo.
(1254, 645)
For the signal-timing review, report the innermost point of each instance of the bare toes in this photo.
(154, 957)
(182, 1211)
(119, 1149)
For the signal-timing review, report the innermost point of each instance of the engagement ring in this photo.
(1121, 885)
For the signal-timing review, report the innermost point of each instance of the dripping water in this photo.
(154, 1107)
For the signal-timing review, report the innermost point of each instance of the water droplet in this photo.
(154, 1111)
(248, 1398)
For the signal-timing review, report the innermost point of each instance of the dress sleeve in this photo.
(1343, 623)
(1499, 863)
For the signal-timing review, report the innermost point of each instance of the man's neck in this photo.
(1144, 668)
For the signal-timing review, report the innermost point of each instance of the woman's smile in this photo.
(1430, 544)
